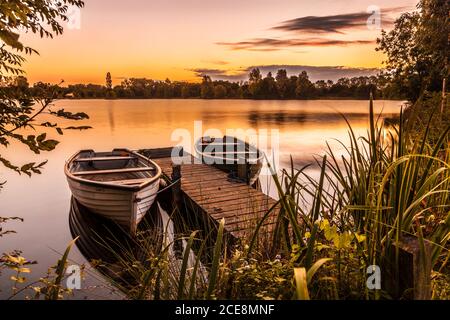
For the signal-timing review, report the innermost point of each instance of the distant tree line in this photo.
(280, 86)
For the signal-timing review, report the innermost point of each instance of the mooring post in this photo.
(242, 170)
(410, 277)
(176, 188)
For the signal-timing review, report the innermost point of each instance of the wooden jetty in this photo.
(217, 195)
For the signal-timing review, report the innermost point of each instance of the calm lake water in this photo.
(44, 200)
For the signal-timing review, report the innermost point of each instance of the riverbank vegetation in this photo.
(391, 187)
(273, 87)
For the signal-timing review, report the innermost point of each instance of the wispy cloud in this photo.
(337, 23)
(216, 62)
(272, 44)
(319, 25)
(220, 74)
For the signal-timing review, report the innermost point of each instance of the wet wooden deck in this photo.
(219, 196)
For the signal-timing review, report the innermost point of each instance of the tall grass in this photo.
(390, 185)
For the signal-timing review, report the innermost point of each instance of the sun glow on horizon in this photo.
(172, 39)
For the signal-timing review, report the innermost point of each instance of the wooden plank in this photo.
(233, 205)
(165, 153)
(237, 197)
(211, 180)
(214, 152)
(208, 180)
(204, 177)
(221, 143)
(112, 171)
(224, 187)
(211, 191)
(219, 196)
(235, 212)
(103, 159)
(201, 171)
(130, 181)
(200, 168)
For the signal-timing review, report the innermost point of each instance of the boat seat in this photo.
(221, 144)
(130, 181)
(103, 159)
(113, 171)
(230, 152)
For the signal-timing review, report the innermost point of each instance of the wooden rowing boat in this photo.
(120, 185)
(233, 155)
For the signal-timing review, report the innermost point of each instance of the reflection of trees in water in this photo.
(281, 117)
(112, 124)
(284, 117)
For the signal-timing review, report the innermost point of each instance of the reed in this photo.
(391, 184)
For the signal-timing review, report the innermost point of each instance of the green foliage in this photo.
(20, 105)
(3, 221)
(280, 87)
(207, 88)
(40, 17)
(440, 286)
(53, 288)
(49, 287)
(391, 184)
(417, 50)
(20, 109)
(216, 260)
(303, 278)
(18, 265)
(108, 81)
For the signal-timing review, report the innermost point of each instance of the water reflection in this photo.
(112, 124)
(278, 118)
(122, 258)
(105, 244)
(284, 117)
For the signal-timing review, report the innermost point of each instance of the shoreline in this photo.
(236, 99)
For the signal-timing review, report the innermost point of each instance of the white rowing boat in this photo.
(120, 185)
(231, 154)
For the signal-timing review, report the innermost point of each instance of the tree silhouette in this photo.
(108, 81)
(417, 50)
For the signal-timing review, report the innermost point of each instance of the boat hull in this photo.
(231, 163)
(125, 207)
(120, 185)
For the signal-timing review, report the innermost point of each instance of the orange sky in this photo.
(167, 38)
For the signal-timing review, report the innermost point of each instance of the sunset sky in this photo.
(185, 39)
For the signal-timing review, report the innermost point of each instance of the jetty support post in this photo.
(176, 189)
(410, 278)
(242, 171)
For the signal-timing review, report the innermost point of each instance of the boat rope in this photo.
(169, 186)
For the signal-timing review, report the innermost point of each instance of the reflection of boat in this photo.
(120, 185)
(122, 258)
(102, 240)
(231, 154)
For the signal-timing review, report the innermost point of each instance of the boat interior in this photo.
(118, 167)
(228, 148)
